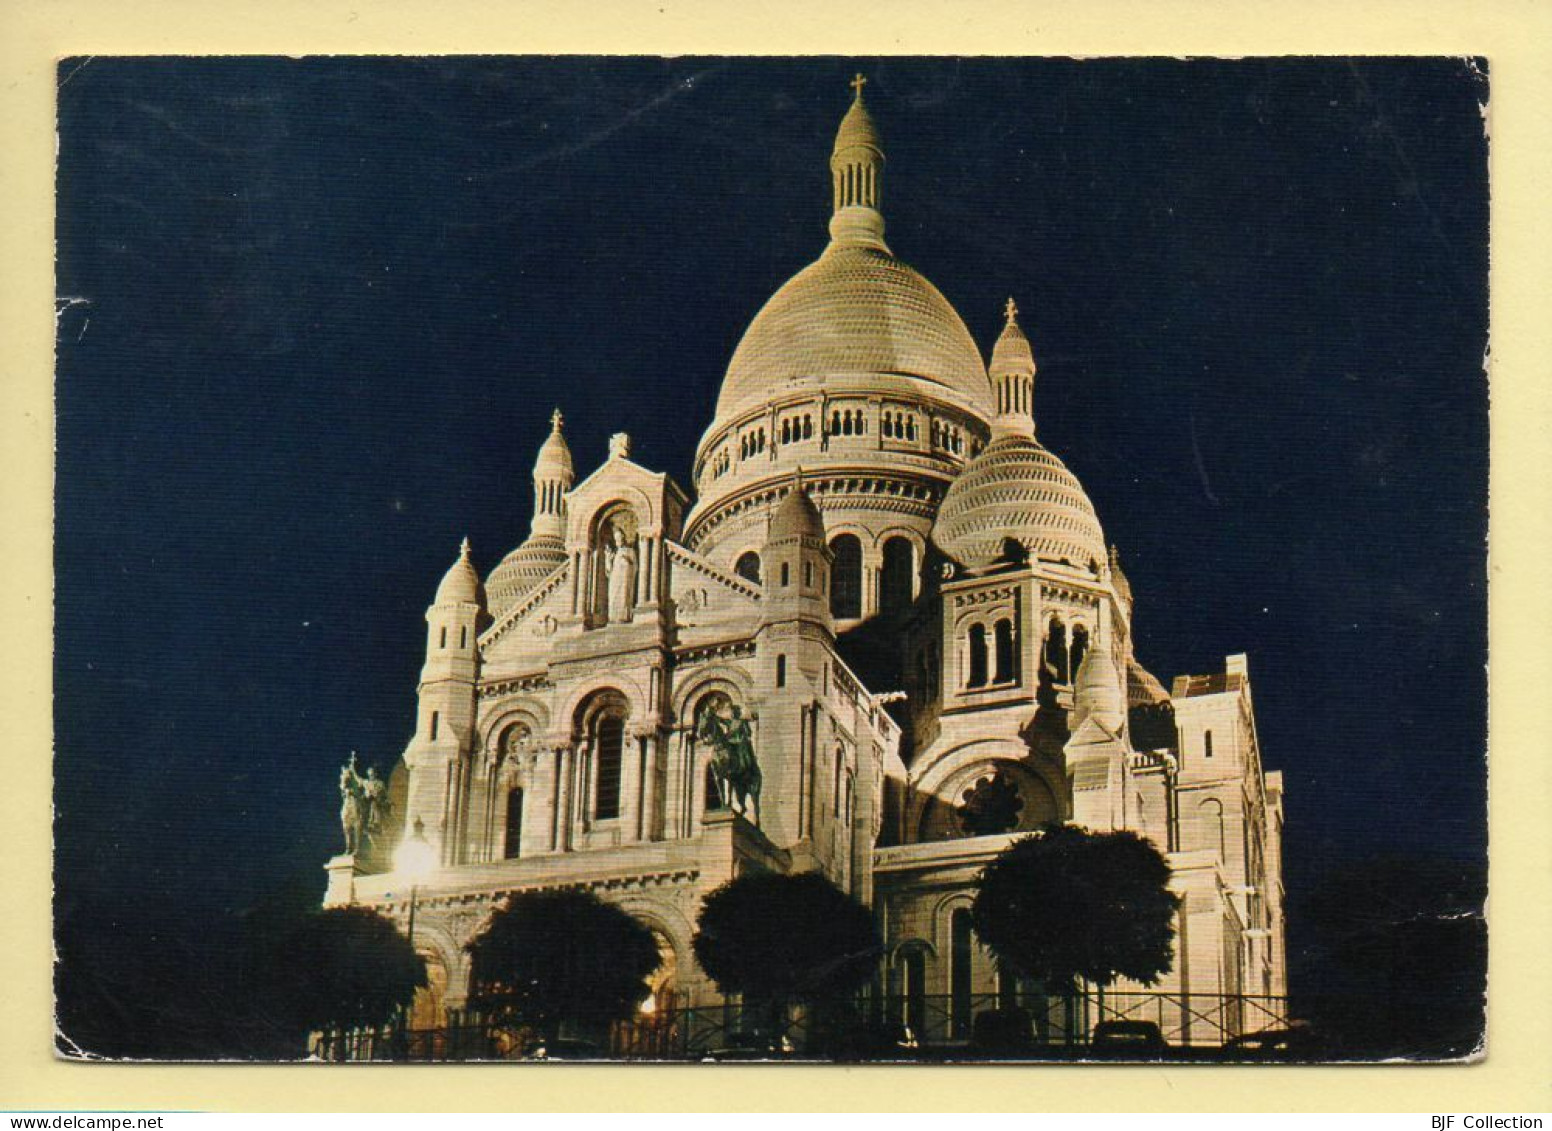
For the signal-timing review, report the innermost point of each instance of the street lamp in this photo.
(415, 860)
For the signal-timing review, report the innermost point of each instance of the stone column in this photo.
(630, 788)
(651, 797)
(564, 761)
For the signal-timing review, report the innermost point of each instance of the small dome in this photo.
(1097, 693)
(554, 460)
(462, 584)
(521, 570)
(1017, 490)
(796, 517)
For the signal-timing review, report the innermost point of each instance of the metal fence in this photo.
(921, 1026)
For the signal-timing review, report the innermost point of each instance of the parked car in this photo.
(1127, 1040)
(1003, 1032)
(566, 1048)
(750, 1044)
(1296, 1042)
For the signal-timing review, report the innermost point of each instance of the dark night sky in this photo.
(332, 302)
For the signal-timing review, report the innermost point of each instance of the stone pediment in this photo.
(656, 502)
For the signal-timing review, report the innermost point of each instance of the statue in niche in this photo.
(734, 766)
(620, 571)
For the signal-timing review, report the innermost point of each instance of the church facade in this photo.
(899, 599)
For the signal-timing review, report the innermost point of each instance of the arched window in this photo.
(781, 671)
(608, 760)
(1211, 832)
(808, 575)
(846, 584)
(808, 428)
(444, 636)
(1004, 668)
(786, 431)
(977, 656)
(894, 592)
(748, 566)
(835, 423)
(786, 574)
(1206, 743)
(1056, 649)
(1080, 647)
(514, 841)
(961, 955)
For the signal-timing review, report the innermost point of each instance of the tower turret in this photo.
(445, 722)
(797, 562)
(1099, 693)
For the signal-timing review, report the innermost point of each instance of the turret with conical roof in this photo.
(1099, 694)
(447, 700)
(544, 551)
(797, 561)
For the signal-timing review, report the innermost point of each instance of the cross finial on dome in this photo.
(556, 420)
(463, 549)
(1010, 309)
(859, 80)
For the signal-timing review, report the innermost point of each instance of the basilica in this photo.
(901, 603)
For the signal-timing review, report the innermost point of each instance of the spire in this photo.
(1012, 371)
(856, 177)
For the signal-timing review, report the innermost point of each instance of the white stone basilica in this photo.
(908, 597)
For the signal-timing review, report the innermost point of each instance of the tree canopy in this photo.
(347, 968)
(786, 938)
(1066, 904)
(553, 956)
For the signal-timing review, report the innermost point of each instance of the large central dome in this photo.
(858, 319)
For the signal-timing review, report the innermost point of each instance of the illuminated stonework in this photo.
(874, 514)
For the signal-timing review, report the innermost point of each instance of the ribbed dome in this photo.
(521, 570)
(461, 584)
(796, 517)
(1015, 489)
(857, 319)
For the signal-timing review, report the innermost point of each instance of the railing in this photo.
(925, 1026)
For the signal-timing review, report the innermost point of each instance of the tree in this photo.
(548, 957)
(781, 939)
(346, 968)
(1066, 904)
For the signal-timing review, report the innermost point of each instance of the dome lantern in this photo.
(856, 177)
(1012, 372)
